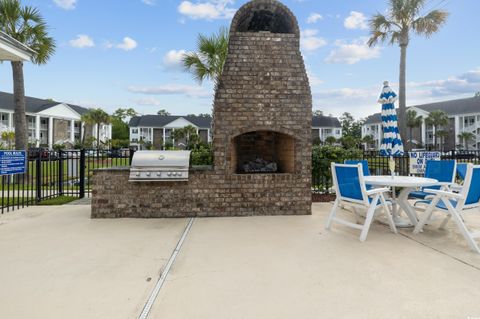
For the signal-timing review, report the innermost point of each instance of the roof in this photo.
(452, 107)
(34, 105)
(13, 50)
(325, 121)
(163, 120)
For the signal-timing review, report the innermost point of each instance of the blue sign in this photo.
(12, 162)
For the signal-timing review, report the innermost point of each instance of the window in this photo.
(337, 132)
(134, 130)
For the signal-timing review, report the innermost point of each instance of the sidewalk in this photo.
(58, 263)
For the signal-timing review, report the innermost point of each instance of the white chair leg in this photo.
(332, 214)
(369, 218)
(426, 216)
(388, 213)
(357, 215)
(445, 221)
(463, 228)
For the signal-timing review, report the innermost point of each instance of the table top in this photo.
(399, 181)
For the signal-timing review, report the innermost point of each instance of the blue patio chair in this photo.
(351, 190)
(366, 170)
(444, 171)
(454, 205)
(462, 170)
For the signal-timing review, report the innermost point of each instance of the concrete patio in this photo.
(58, 263)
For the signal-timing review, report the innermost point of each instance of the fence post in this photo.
(60, 172)
(82, 173)
(38, 177)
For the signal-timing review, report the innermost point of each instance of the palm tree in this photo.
(26, 25)
(465, 137)
(436, 119)
(208, 61)
(442, 134)
(96, 117)
(395, 27)
(330, 140)
(413, 121)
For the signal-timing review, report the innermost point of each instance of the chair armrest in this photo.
(446, 194)
(377, 190)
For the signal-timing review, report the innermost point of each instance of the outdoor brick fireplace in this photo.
(261, 134)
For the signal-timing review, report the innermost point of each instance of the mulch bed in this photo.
(322, 198)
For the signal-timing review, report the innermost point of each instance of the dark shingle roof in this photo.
(452, 107)
(34, 105)
(325, 121)
(162, 120)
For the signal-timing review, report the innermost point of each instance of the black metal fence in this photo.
(52, 174)
(378, 165)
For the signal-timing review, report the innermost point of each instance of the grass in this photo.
(60, 200)
(17, 201)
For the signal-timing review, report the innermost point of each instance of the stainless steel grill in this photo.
(150, 166)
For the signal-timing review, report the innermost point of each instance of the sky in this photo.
(126, 53)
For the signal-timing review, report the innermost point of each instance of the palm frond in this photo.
(430, 23)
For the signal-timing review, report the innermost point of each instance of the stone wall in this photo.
(205, 194)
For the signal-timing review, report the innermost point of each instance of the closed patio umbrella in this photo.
(392, 145)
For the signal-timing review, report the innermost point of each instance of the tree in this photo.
(350, 127)
(330, 140)
(163, 112)
(443, 135)
(413, 121)
(120, 128)
(9, 137)
(96, 117)
(465, 137)
(317, 113)
(208, 61)
(436, 119)
(477, 94)
(403, 18)
(26, 25)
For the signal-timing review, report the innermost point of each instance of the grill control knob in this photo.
(137, 174)
(148, 174)
(169, 173)
(174, 173)
(159, 174)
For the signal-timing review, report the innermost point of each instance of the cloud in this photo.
(361, 101)
(127, 44)
(314, 17)
(312, 78)
(66, 4)
(147, 101)
(82, 41)
(173, 59)
(466, 83)
(172, 89)
(353, 52)
(356, 20)
(209, 10)
(309, 40)
(149, 2)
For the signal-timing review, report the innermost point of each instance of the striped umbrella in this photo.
(391, 142)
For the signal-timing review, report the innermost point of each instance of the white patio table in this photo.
(400, 203)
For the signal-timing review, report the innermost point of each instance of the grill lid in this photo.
(161, 159)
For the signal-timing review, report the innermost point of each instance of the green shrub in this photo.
(202, 155)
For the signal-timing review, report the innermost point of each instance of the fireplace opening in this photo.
(263, 152)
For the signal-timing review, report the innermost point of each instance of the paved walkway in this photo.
(58, 263)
